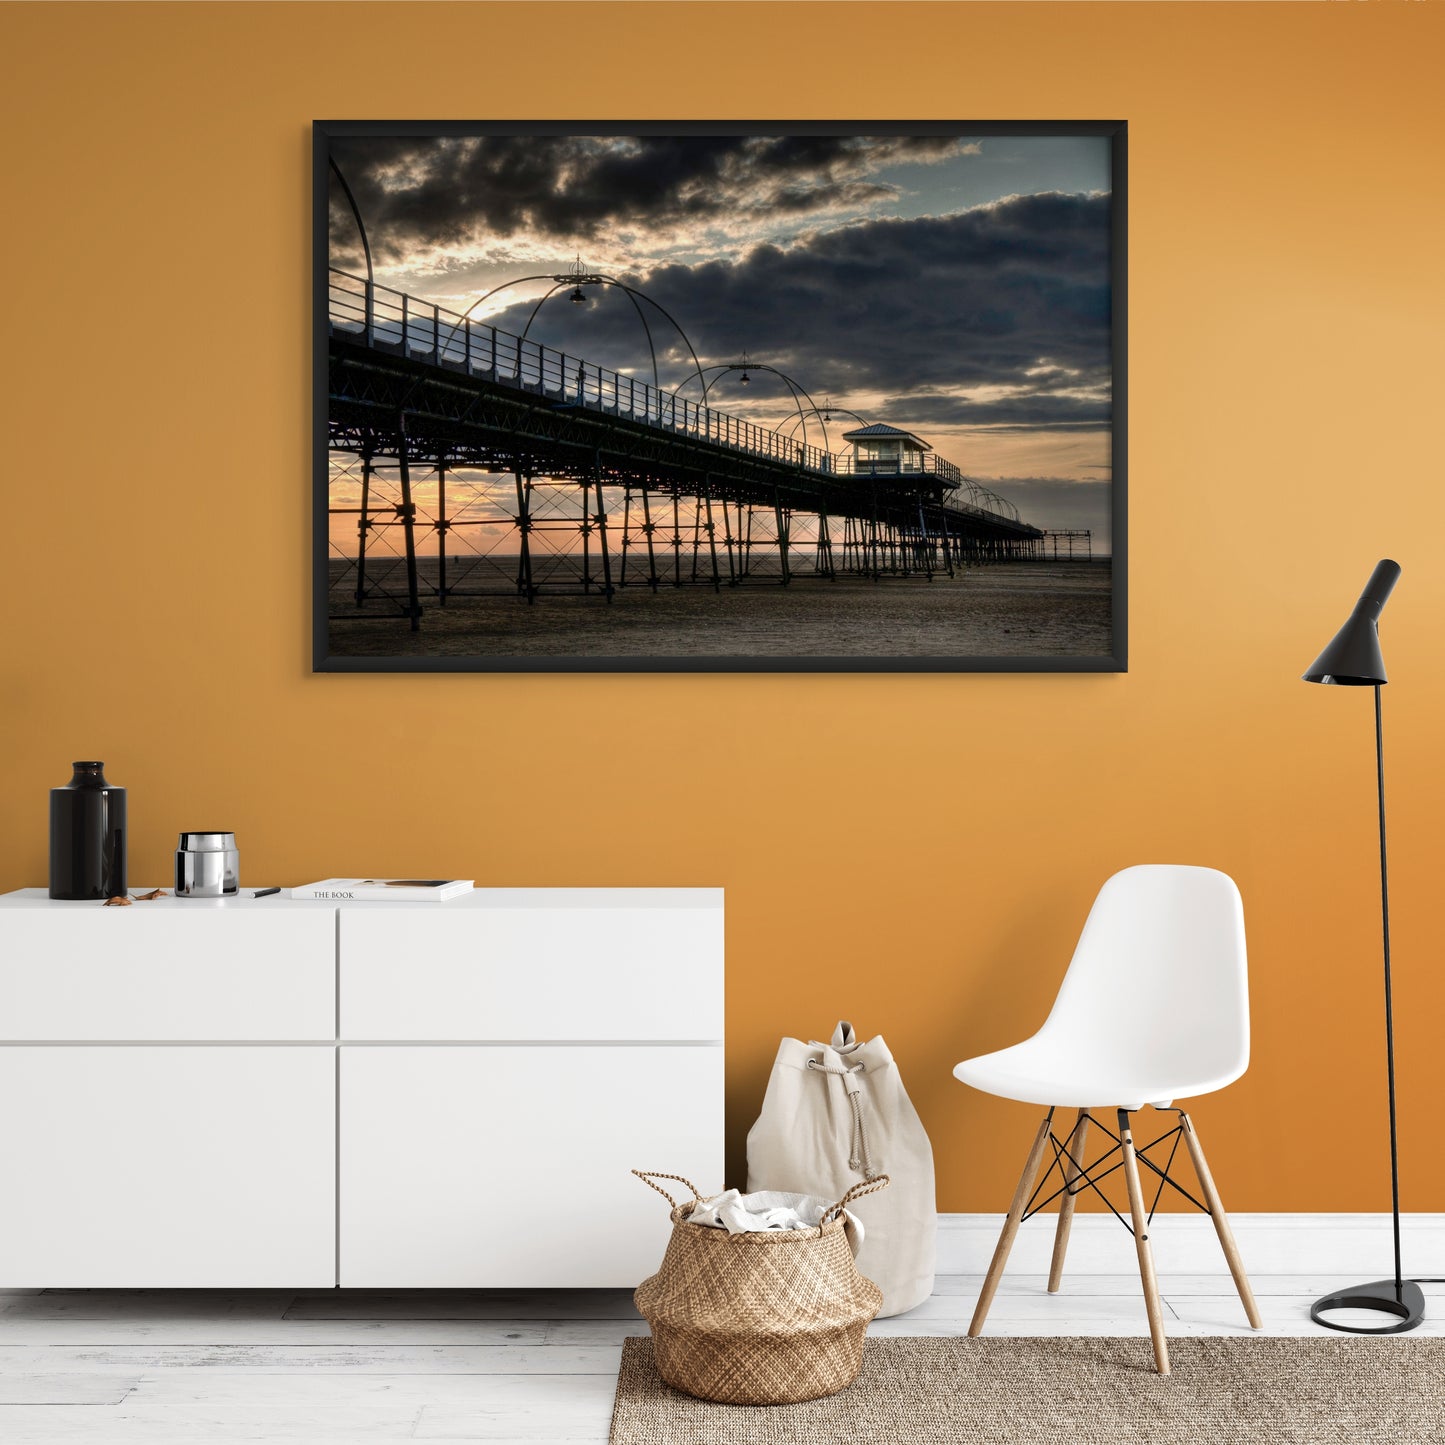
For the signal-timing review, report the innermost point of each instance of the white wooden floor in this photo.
(181, 1366)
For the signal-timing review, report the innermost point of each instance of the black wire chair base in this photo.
(1091, 1175)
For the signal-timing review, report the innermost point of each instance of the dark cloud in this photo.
(1015, 295)
(427, 192)
(1029, 411)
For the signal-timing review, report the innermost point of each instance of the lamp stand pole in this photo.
(1389, 999)
(1399, 1297)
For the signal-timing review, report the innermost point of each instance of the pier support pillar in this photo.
(524, 531)
(363, 523)
(442, 527)
(602, 527)
(408, 525)
(782, 520)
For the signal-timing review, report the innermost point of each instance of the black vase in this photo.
(87, 836)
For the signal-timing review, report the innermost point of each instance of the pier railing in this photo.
(916, 464)
(402, 325)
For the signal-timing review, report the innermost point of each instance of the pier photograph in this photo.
(719, 397)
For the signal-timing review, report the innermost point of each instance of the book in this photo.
(384, 890)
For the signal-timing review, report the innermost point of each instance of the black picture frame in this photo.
(325, 659)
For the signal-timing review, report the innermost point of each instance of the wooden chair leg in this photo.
(1141, 1244)
(1221, 1221)
(1011, 1225)
(1076, 1143)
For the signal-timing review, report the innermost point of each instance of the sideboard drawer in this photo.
(168, 1167)
(168, 971)
(436, 971)
(507, 1167)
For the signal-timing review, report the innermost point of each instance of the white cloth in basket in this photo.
(767, 1209)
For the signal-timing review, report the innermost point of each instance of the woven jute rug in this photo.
(1223, 1391)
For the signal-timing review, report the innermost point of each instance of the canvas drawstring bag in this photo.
(837, 1114)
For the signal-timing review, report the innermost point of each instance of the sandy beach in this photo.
(1043, 609)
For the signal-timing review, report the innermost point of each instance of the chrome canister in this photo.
(207, 865)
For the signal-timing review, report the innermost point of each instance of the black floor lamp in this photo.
(1353, 658)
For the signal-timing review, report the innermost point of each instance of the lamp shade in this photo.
(1353, 656)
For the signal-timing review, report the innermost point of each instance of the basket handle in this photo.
(868, 1186)
(648, 1175)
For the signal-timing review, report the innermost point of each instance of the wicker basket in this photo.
(770, 1318)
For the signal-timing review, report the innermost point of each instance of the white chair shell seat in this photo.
(1035, 1072)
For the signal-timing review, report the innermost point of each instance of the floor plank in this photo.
(147, 1304)
(63, 1387)
(1030, 1307)
(327, 1389)
(548, 1409)
(593, 1332)
(157, 1331)
(190, 1425)
(1219, 1284)
(541, 1304)
(378, 1359)
(1282, 1315)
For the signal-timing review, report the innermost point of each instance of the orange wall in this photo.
(916, 852)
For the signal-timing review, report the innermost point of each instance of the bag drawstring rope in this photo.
(861, 1156)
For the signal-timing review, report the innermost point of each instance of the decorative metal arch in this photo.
(1002, 506)
(647, 330)
(975, 492)
(579, 278)
(795, 387)
(365, 241)
(792, 422)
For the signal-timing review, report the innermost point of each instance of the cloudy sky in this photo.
(954, 286)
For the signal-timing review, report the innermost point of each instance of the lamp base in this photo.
(1405, 1300)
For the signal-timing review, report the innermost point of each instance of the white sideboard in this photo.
(275, 1093)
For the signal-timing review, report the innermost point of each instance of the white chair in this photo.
(1154, 1007)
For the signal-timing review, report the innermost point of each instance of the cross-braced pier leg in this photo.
(626, 533)
(1221, 1221)
(441, 527)
(586, 530)
(408, 522)
(1011, 1225)
(525, 586)
(363, 523)
(1074, 1147)
(648, 528)
(781, 520)
(607, 587)
(712, 535)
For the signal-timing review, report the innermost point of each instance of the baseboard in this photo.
(1352, 1245)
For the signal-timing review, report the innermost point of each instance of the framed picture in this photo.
(747, 396)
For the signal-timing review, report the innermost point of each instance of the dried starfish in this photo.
(119, 901)
(154, 893)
